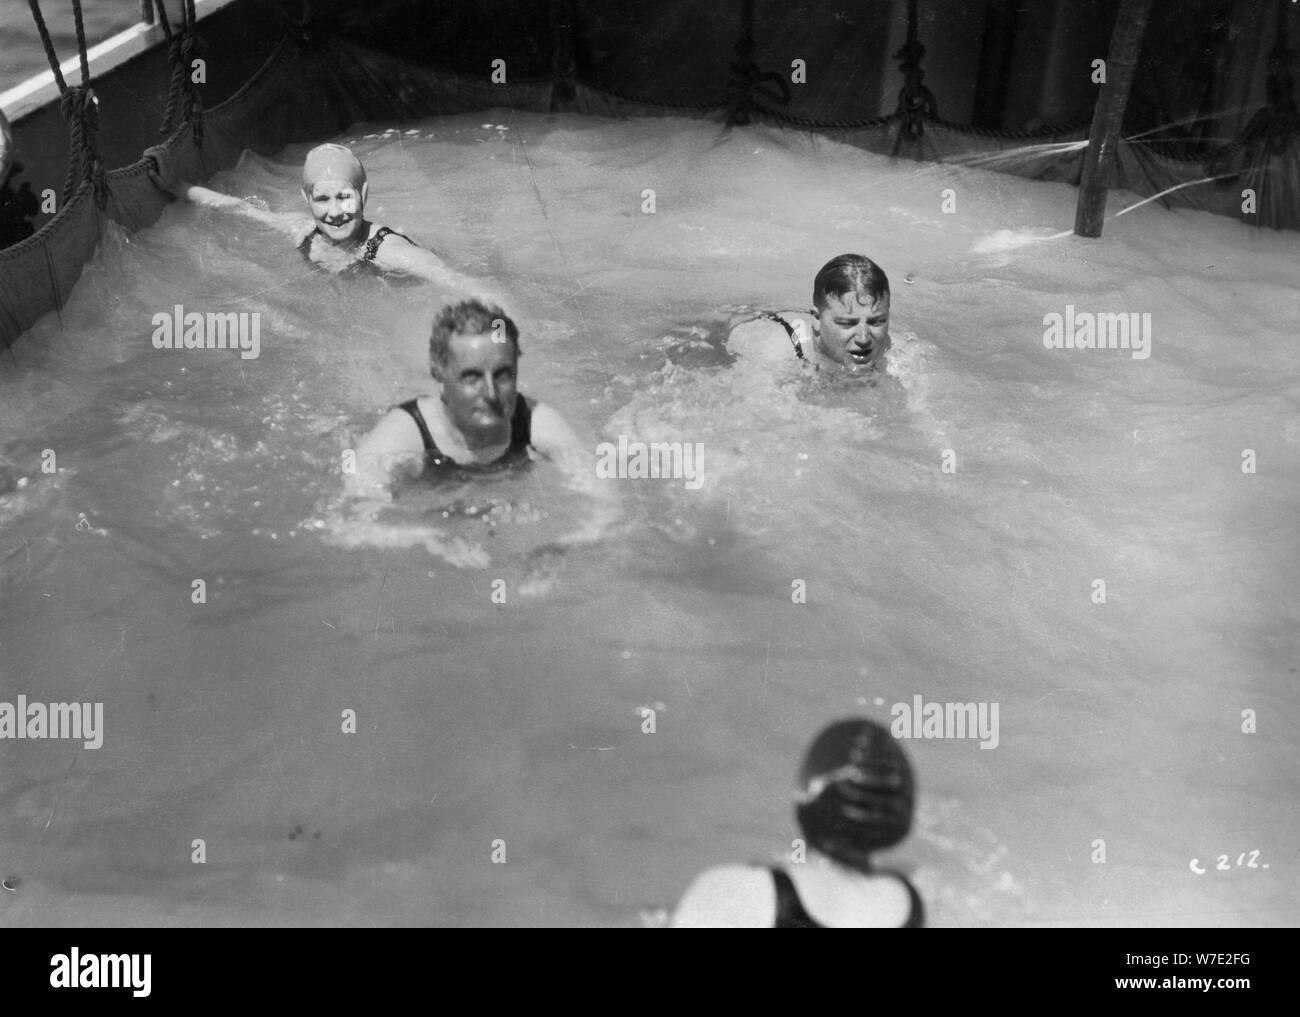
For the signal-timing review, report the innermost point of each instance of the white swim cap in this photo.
(332, 162)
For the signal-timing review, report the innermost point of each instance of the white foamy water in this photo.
(520, 722)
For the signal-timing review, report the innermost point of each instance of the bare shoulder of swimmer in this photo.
(551, 434)
(393, 449)
(728, 897)
(764, 339)
(557, 442)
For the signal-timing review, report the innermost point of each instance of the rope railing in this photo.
(79, 107)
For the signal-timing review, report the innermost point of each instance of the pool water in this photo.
(517, 727)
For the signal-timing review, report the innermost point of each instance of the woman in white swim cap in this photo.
(338, 237)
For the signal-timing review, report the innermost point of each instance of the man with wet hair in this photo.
(848, 326)
(337, 237)
(477, 421)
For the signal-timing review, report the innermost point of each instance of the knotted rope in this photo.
(184, 105)
(80, 108)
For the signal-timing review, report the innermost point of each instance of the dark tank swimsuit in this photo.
(367, 259)
(437, 462)
(791, 914)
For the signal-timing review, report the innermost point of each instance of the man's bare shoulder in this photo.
(766, 339)
(395, 432)
(549, 430)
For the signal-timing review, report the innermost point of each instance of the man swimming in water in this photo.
(478, 420)
(847, 328)
(337, 236)
(856, 797)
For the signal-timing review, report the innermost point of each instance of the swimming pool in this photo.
(477, 722)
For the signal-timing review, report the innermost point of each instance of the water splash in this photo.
(1008, 156)
(1167, 190)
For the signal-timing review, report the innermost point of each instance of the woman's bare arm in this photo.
(165, 178)
(295, 225)
(412, 259)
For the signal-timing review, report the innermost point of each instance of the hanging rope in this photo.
(747, 81)
(80, 108)
(184, 106)
(916, 103)
(1274, 126)
(563, 72)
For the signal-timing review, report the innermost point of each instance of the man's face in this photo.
(478, 385)
(853, 333)
(336, 205)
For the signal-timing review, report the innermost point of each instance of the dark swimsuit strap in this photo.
(521, 433)
(915, 917)
(372, 245)
(368, 252)
(432, 454)
(789, 330)
(791, 914)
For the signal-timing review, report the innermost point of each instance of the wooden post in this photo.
(1108, 116)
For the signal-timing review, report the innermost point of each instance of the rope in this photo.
(174, 85)
(163, 20)
(1274, 126)
(81, 41)
(80, 108)
(826, 125)
(563, 68)
(50, 55)
(747, 80)
(184, 106)
(916, 103)
(997, 132)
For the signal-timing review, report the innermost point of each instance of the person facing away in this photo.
(856, 797)
(337, 236)
(477, 421)
(847, 328)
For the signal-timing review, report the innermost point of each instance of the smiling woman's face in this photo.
(336, 205)
(853, 333)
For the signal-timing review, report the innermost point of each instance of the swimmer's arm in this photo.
(728, 897)
(166, 177)
(398, 255)
(389, 452)
(297, 226)
(556, 441)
